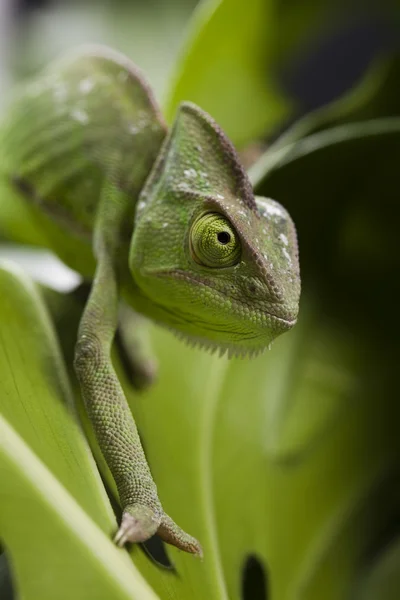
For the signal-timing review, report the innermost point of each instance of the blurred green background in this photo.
(286, 467)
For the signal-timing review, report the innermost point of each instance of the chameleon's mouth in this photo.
(225, 337)
(286, 321)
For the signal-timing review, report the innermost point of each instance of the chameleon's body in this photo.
(166, 221)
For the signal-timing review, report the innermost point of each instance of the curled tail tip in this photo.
(171, 533)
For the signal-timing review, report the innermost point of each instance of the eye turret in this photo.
(214, 242)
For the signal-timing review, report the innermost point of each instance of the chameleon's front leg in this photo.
(104, 398)
(108, 411)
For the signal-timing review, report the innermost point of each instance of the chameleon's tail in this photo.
(171, 533)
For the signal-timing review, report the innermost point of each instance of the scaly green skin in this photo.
(169, 223)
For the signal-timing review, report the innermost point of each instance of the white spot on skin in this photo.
(274, 210)
(271, 208)
(189, 173)
(164, 225)
(220, 196)
(86, 85)
(80, 115)
(183, 186)
(141, 205)
(284, 239)
(287, 255)
(133, 129)
(198, 147)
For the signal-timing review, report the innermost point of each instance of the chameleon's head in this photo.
(212, 262)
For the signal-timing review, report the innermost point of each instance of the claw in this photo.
(139, 523)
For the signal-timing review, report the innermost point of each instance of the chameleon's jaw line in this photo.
(288, 323)
(285, 323)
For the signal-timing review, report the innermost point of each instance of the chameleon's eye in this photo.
(214, 242)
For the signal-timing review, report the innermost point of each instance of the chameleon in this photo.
(161, 220)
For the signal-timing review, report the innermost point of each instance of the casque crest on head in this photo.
(242, 298)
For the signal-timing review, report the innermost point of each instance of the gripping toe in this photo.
(139, 523)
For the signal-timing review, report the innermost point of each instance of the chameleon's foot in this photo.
(171, 533)
(138, 524)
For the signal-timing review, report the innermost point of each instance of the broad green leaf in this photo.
(56, 550)
(35, 395)
(222, 478)
(49, 481)
(178, 442)
(224, 68)
(228, 465)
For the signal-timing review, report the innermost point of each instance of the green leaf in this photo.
(224, 68)
(244, 480)
(50, 484)
(233, 451)
(36, 398)
(57, 551)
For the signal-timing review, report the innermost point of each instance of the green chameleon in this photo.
(165, 222)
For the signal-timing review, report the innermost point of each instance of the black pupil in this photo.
(224, 237)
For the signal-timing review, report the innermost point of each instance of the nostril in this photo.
(255, 289)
